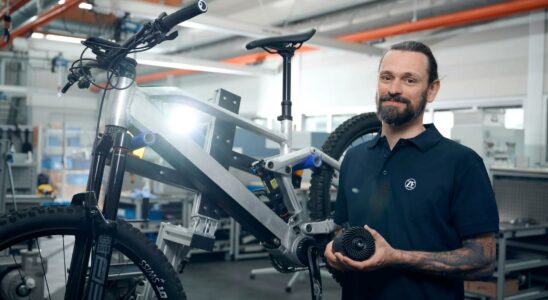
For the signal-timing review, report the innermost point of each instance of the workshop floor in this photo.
(230, 280)
(207, 278)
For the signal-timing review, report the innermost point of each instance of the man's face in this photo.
(403, 89)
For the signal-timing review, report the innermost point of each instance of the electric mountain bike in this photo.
(294, 238)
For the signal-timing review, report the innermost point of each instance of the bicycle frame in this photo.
(200, 172)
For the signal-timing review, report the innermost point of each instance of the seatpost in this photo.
(285, 118)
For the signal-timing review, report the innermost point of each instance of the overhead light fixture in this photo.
(165, 64)
(59, 38)
(201, 66)
(85, 5)
(37, 35)
(61, 2)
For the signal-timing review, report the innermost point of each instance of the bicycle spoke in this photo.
(64, 260)
(43, 268)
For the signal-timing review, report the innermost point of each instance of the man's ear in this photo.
(433, 89)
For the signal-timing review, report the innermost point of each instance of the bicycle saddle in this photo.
(282, 42)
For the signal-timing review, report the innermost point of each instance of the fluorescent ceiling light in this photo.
(199, 66)
(85, 5)
(61, 38)
(165, 64)
(37, 35)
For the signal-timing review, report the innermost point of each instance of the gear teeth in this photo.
(356, 243)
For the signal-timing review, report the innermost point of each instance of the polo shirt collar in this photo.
(428, 138)
(423, 141)
(375, 140)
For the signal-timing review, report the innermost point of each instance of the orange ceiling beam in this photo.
(44, 18)
(448, 20)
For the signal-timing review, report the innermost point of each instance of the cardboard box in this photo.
(489, 288)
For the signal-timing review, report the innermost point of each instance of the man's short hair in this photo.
(420, 48)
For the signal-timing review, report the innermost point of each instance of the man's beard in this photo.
(390, 114)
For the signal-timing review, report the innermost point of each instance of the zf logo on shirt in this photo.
(410, 184)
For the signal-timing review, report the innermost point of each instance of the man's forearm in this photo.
(475, 260)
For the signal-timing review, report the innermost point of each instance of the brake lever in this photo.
(172, 36)
(67, 87)
(72, 78)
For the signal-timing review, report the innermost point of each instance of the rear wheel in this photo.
(47, 236)
(352, 132)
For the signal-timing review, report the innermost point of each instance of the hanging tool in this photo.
(10, 132)
(27, 145)
(10, 159)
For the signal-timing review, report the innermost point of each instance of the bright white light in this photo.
(195, 66)
(165, 64)
(85, 5)
(61, 2)
(61, 38)
(182, 119)
(444, 121)
(513, 118)
(37, 35)
(32, 19)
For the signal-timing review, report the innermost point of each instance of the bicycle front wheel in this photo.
(50, 233)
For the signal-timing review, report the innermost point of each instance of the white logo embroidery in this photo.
(410, 184)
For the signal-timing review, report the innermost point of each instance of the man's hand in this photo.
(332, 260)
(384, 256)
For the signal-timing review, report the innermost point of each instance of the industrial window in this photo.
(513, 118)
(315, 123)
(444, 121)
(337, 120)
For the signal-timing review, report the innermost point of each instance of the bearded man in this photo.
(426, 200)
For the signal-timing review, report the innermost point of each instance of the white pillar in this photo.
(533, 105)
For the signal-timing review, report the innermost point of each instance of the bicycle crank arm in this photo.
(314, 273)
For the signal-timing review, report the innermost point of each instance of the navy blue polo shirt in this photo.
(426, 194)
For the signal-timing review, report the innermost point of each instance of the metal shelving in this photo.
(505, 265)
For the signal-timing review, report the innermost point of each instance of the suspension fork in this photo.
(82, 245)
(102, 252)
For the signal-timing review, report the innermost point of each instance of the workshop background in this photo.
(494, 99)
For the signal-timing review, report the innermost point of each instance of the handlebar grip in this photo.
(185, 13)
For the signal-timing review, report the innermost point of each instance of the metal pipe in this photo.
(70, 27)
(31, 9)
(13, 7)
(41, 20)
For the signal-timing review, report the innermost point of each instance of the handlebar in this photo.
(109, 55)
(186, 13)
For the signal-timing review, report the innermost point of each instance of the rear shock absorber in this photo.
(272, 189)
